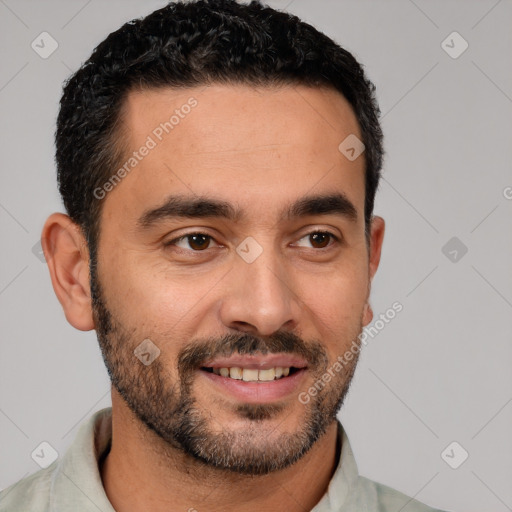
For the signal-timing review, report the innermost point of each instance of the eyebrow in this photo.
(205, 207)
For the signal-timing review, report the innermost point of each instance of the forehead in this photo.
(237, 142)
(223, 116)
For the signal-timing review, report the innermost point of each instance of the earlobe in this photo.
(367, 314)
(67, 256)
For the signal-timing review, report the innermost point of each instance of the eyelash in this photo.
(182, 237)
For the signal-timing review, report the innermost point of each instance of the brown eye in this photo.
(318, 239)
(196, 242)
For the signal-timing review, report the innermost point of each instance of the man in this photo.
(218, 163)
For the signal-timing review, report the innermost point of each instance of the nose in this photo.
(259, 297)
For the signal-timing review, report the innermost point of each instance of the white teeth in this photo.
(235, 373)
(253, 375)
(267, 374)
(250, 375)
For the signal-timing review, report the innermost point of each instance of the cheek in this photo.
(152, 298)
(335, 303)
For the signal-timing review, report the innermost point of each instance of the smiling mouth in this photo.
(253, 374)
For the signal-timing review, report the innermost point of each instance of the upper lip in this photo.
(257, 362)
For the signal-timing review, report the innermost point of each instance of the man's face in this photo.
(257, 294)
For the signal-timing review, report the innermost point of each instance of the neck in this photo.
(136, 478)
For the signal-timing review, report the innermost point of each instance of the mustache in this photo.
(196, 354)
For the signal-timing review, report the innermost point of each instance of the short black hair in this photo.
(187, 44)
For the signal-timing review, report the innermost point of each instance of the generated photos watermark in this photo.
(151, 142)
(342, 360)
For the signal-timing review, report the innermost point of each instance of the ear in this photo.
(66, 253)
(376, 239)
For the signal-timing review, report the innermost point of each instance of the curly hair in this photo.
(187, 44)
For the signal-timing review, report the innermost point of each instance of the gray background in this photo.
(440, 371)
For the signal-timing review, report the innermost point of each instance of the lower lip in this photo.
(257, 392)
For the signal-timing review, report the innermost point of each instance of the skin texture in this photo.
(259, 149)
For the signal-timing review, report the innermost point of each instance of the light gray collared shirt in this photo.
(73, 483)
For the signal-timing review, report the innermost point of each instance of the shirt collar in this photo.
(343, 481)
(77, 485)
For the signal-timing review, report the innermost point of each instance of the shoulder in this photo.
(29, 494)
(61, 485)
(388, 499)
(349, 490)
